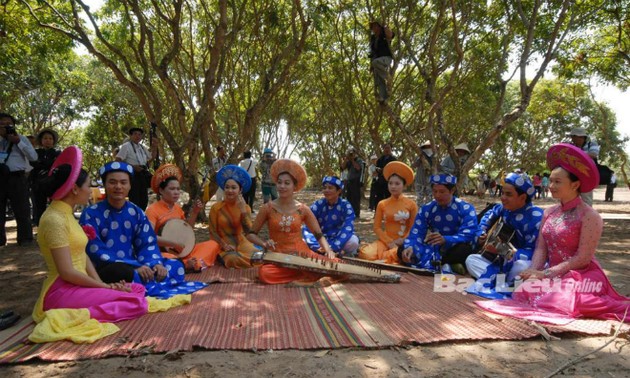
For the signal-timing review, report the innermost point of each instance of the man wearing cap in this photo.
(267, 183)
(448, 165)
(335, 216)
(444, 229)
(580, 139)
(137, 155)
(15, 153)
(518, 213)
(423, 173)
(354, 179)
(124, 247)
(381, 57)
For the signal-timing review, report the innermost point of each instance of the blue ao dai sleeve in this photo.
(528, 226)
(145, 242)
(100, 250)
(487, 220)
(467, 230)
(419, 230)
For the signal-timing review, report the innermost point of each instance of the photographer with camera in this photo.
(15, 153)
(138, 156)
(355, 166)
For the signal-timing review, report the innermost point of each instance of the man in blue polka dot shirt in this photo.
(123, 246)
(444, 229)
(517, 211)
(335, 216)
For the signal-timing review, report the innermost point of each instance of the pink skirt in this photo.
(584, 293)
(105, 305)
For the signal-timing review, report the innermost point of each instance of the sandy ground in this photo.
(22, 271)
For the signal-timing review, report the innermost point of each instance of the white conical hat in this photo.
(462, 146)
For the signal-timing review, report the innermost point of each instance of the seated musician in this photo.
(166, 182)
(230, 219)
(125, 245)
(565, 281)
(516, 211)
(444, 229)
(284, 218)
(394, 213)
(336, 218)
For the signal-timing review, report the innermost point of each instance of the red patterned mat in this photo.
(242, 314)
(413, 312)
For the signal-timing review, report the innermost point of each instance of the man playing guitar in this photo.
(506, 248)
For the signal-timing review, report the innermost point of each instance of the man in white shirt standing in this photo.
(249, 164)
(138, 156)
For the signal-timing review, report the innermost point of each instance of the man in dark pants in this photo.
(610, 188)
(381, 58)
(249, 164)
(15, 153)
(139, 157)
(381, 184)
(355, 167)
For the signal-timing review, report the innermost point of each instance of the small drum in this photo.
(179, 231)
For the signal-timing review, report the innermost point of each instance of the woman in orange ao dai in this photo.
(284, 217)
(230, 219)
(166, 183)
(396, 213)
